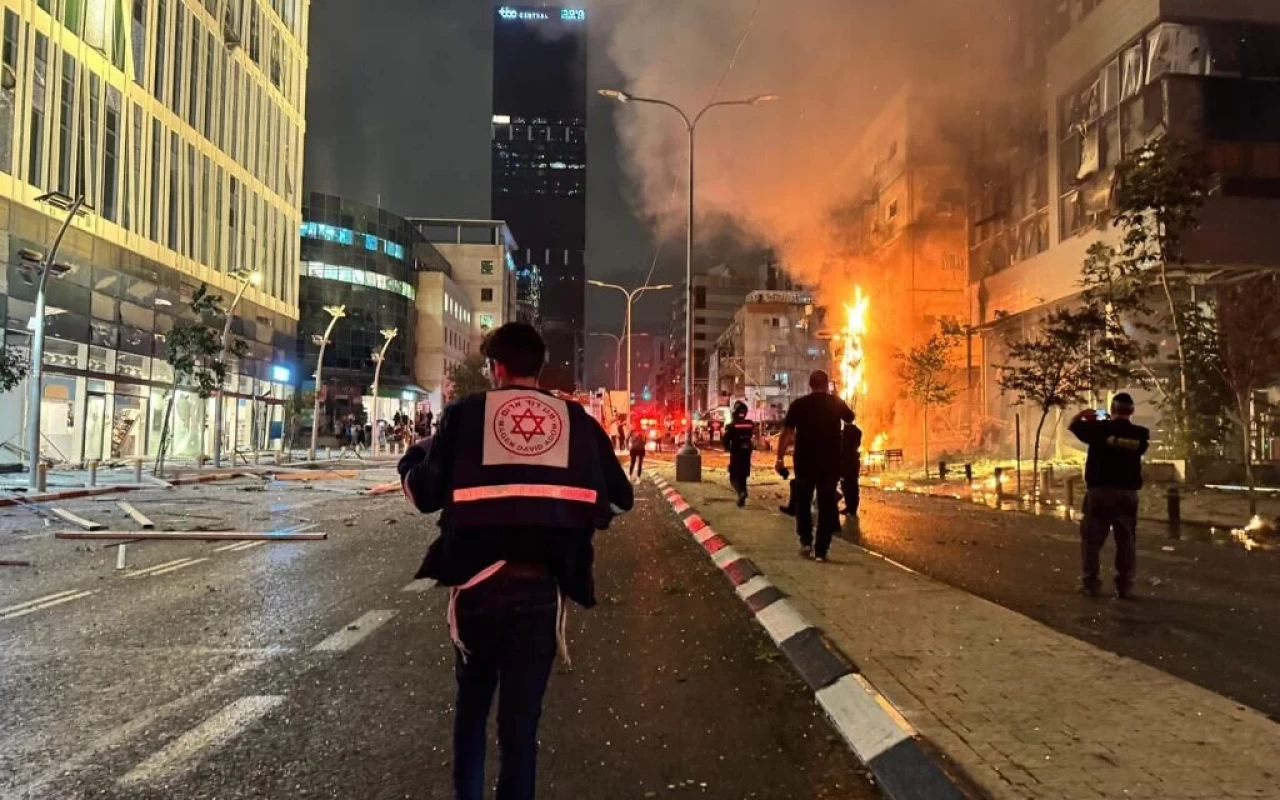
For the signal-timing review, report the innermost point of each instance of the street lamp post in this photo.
(626, 331)
(335, 313)
(688, 460)
(387, 335)
(46, 264)
(617, 358)
(244, 278)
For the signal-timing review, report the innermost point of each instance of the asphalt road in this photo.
(319, 669)
(1208, 611)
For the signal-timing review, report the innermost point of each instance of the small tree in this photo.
(468, 376)
(1249, 343)
(927, 376)
(1053, 369)
(13, 368)
(194, 352)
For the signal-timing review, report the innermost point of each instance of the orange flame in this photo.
(853, 365)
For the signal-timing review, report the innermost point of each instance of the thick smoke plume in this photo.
(783, 168)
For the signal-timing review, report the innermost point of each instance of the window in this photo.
(699, 297)
(109, 173)
(486, 295)
(139, 40)
(891, 213)
(255, 50)
(162, 29)
(193, 87)
(66, 108)
(486, 267)
(174, 189)
(91, 157)
(178, 93)
(9, 57)
(156, 161)
(35, 161)
(210, 87)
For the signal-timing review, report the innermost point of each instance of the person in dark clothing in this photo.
(521, 479)
(637, 453)
(814, 424)
(739, 442)
(1113, 476)
(850, 466)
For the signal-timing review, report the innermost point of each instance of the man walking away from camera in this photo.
(814, 424)
(637, 453)
(1113, 475)
(739, 442)
(522, 480)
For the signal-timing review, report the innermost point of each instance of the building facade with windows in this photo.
(181, 122)
(539, 170)
(481, 258)
(445, 334)
(1100, 80)
(362, 258)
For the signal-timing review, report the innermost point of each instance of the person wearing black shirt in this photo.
(739, 441)
(814, 423)
(1113, 476)
(521, 479)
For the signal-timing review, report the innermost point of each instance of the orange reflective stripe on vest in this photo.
(506, 491)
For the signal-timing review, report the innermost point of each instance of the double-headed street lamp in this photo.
(688, 461)
(245, 278)
(335, 313)
(617, 360)
(631, 296)
(42, 266)
(387, 335)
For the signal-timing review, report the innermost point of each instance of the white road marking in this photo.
(22, 609)
(56, 775)
(212, 734)
(752, 586)
(424, 585)
(239, 546)
(173, 566)
(781, 620)
(351, 635)
(861, 720)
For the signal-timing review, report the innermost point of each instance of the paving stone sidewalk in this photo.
(1025, 711)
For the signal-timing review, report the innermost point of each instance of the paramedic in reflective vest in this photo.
(522, 480)
(739, 441)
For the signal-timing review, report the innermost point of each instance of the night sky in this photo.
(398, 106)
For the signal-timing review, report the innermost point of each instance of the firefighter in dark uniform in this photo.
(850, 466)
(522, 480)
(739, 442)
(1113, 476)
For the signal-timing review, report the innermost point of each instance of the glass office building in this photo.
(360, 257)
(180, 122)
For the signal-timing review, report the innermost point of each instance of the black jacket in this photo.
(1115, 453)
(427, 472)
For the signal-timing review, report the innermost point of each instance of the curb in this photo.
(876, 732)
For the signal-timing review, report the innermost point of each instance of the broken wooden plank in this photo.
(205, 536)
(138, 516)
(383, 488)
(9, 562)
(88, 525)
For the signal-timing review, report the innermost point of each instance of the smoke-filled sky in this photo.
(399, 105)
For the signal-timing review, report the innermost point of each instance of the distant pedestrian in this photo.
(637, 453)
(1113, 476)
(622, 436)
(814, 423)
(850, 467)
(739, 443)
(522, 480)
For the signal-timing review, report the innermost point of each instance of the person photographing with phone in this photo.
(1113, 476)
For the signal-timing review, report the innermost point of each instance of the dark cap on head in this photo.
(1122, 404)
(819, 381)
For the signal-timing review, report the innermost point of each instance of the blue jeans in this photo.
(508, 625)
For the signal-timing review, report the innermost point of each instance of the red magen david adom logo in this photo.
(527, 426)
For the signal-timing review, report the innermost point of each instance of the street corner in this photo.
(870, 725)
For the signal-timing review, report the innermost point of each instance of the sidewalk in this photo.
(1025, 711)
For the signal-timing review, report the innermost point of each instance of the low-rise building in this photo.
(481, 259)
(445, 325)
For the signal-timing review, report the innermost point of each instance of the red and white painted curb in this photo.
(878, 734)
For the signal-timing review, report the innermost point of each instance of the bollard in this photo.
(942, 471)
(328, 452)
(999, 484)
(93, 473)
(42, 477)
(257, 456)
(137, 470)
(1071, 491)
(1174, 506)
(1046, 480)
(968, 474)
(120, 557)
